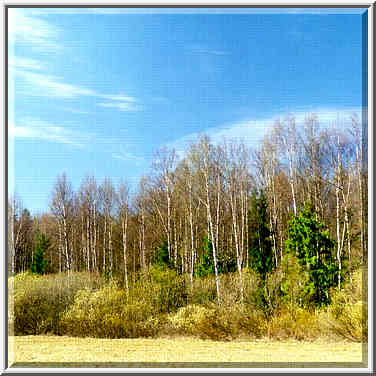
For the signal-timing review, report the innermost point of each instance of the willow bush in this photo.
(38, 301)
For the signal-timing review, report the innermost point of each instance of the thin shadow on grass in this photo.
(188, 365)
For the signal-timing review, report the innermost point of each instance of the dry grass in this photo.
(181, 349)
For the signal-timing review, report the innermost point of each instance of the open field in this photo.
(68, 349)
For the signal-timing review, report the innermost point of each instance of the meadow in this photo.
(75, 352)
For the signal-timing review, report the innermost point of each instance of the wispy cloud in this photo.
(126, 156)
(37, 129)
(32, 31)
(251, 131)
(24, 63)
(74, 110)
(28, 30)
(118, 98)
(53, 86)
(122, 106)
(161, 100)
(206, 50)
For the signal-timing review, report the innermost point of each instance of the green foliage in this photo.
(38, 265)
(313, 247)
(226, 264)
(260, 246)
(161, 257)
(206, 265)
(106, 274)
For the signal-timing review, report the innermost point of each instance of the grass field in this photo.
(75, 350)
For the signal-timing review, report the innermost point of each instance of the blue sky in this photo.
(99, 91)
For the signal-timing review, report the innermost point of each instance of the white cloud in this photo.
(122, 106)
(20, 132)
(24, 63)
(252, 131)
(128, 157)
(206, 50)
(52, 86)
(30, 31)
(161, 100)
(74, 111)
(119, 97)
(329, 116)
(34, 32)
(37, 129)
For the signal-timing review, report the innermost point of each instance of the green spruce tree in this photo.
(260, 245)
(161, 257)
(206, 265)
(38, 265)
(310, 243)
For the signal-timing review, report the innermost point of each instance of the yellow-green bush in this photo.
(347, 315)
(236, 289)
(203, 291)
(215, 326)
(185, 320)
(107, 313)
(217, 323)
(202, 322)
(298, 324)
(247, 321)
(82, 304)
(38, 301)
(167, 290)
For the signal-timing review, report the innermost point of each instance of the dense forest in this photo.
(291, 211)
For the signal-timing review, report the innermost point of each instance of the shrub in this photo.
(106, 313)
(231, 287)
(168, 288)
(202, 322)
(346, 317)
(185, 320)
(293, 283)
(214, 325)
(299, 324)
(203, 291)
(217, 323)
(113, 312)
(252, 324)
(38, 301)
(267, 297)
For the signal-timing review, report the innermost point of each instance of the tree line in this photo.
(222, 207)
